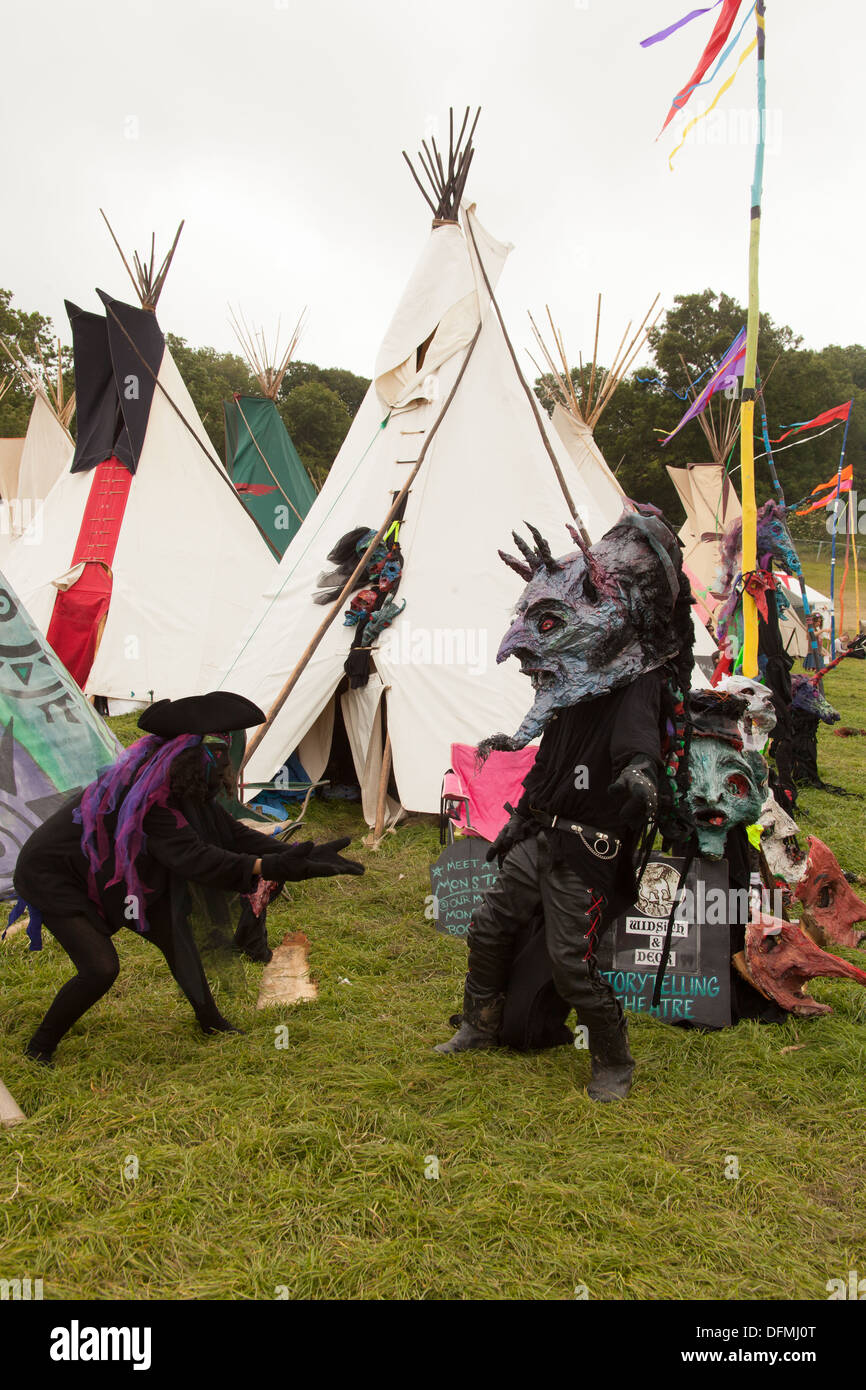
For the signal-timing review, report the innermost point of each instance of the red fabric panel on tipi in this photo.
(79, 613)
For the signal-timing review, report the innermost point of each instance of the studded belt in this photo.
(599, 842)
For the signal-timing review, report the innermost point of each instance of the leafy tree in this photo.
(32, 335)
(318, 421)
(211, 378)
(350, 388)
(798, 384)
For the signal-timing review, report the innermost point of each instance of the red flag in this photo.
(724, 25)
(830, 490)
(839, 412)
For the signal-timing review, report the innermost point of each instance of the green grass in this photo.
(304, 1167)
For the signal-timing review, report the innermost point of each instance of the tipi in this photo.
(148, 560)
(52, 742)
(450, 451)
(29, 471)
(261, 459)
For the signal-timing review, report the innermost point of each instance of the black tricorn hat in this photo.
(216, 713)
(716, 714)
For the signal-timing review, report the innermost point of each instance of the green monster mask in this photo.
(727, 785)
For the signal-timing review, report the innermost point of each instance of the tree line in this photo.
(318, 404)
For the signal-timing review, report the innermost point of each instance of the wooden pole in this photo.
(382, 797)
(10, 1113)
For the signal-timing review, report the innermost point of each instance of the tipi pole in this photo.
(529, 393)
(10, 1113)
(382, 797)
(747, 407)
(394, 511)
(180, 415)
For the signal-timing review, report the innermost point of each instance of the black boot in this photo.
(482, 1019)
(612, 1062)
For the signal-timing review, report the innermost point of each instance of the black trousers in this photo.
(96, 962)
(530, 884)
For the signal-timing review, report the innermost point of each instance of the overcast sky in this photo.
(274, 127)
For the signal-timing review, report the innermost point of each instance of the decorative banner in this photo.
(839, 483)
(724, 25)
(459, 879)
(730, 367)
(672, 28)
(697, 982)
(838, 412)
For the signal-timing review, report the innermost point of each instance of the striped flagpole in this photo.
(747, 408)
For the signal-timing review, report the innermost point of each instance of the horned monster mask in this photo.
(593, 620)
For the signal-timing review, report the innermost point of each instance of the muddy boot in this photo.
(479, 1028)
(612, 1062)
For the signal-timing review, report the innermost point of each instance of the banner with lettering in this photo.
(697, 982)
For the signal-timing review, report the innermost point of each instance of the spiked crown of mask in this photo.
(593, 620)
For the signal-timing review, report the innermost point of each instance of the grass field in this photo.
(263, 1169)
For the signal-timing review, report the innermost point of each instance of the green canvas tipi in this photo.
(261, 459)
(52, 741)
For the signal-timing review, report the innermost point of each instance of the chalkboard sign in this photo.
(459, 879)
(697, 982)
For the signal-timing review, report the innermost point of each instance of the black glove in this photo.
(287, 865)
(510, 835)
(636, 789)
(325, 860)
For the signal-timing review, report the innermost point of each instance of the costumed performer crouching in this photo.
(606, 635)
(148, 846)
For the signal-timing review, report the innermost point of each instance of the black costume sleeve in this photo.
(636, 731)
(184, 853)
(249, 841)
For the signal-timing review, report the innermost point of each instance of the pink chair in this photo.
(473, 799)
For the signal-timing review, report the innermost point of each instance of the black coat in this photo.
(213, 850)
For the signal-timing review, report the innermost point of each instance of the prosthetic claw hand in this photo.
(636, 788)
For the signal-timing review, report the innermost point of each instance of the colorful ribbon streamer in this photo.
(730, 366)
(838, 412)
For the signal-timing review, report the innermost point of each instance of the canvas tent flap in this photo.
(442, 299)
(362, 714)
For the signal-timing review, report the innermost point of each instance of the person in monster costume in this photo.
(148, 846)
(605, 635)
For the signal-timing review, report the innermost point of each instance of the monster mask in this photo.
(806, 698)
(728, 785)
(827, 897)
(593, 620)
(780, 959)
(759, 719)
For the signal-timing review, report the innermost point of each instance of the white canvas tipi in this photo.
(143, 563)
(28, 472)
(447, 392)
